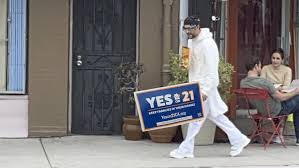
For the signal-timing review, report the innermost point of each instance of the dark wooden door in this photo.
(259, 31)
(104, 35)
(254, 30)
(203, 10)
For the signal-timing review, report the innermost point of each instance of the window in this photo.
(3, 46)
(13, 46)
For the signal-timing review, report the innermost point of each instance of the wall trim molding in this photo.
(38, 131)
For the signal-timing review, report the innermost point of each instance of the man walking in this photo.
(203, 68)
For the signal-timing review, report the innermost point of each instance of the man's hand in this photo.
(204, 97)
(285, 96)
(280, 88)
(297, 91)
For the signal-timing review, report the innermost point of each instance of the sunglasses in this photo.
(189, 28)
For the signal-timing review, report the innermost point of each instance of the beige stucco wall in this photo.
(150, 42)
(175, 26)
(48, 67)
(151, 39)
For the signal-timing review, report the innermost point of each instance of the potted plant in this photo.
(225, 79)
(127, 75)
(178, 75)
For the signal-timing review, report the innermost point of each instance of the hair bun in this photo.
(280, 50)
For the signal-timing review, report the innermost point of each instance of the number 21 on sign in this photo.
(188, 96)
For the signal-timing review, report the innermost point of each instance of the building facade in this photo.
(58, 57)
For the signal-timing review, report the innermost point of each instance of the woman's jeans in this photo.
(292, 106)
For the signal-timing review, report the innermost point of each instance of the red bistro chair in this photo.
(259, 118)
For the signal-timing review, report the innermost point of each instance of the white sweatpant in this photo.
(233, 133)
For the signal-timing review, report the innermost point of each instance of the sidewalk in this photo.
(114, 151)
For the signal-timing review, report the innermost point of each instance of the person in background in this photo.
(280, 75)
(281, 103)
(203, 68)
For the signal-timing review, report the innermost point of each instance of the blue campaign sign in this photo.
(169, 106)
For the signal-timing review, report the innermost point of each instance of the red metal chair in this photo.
(259, 118)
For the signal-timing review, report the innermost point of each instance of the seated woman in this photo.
(276, 72)
(280, 75)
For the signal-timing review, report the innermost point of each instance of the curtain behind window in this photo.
(16, 68)
(259, 28)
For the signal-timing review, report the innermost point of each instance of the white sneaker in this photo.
(180, 155)
(236, 150)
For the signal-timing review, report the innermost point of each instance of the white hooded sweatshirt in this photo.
(204, 69)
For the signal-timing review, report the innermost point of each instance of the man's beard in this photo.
(190, 36)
